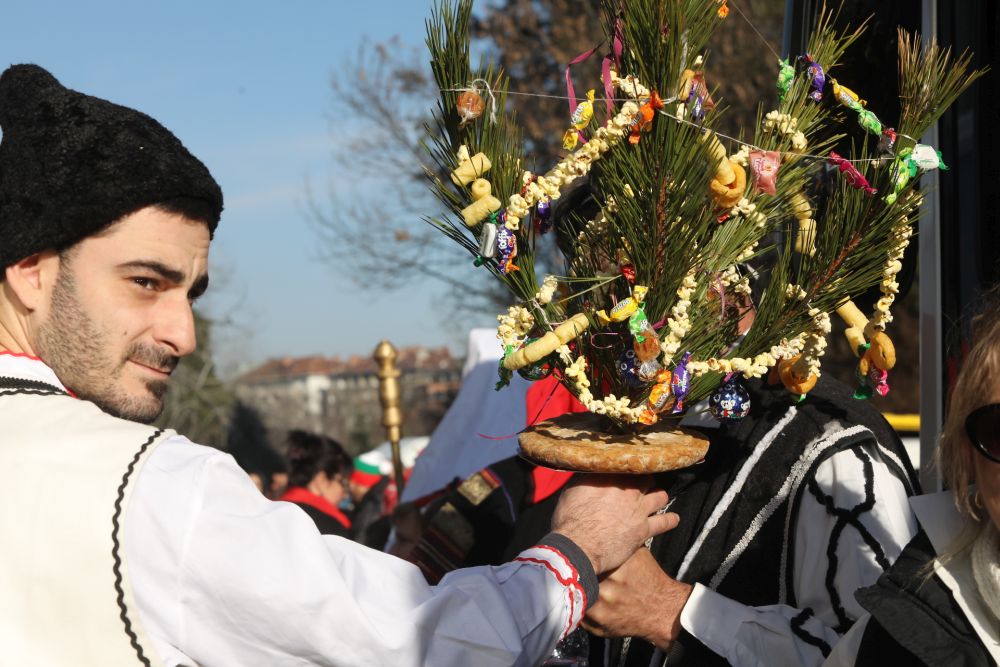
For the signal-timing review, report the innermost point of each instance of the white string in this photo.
(682, 120)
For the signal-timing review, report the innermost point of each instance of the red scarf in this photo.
(547, 399)
(298, 494)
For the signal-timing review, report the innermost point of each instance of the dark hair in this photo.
(191, 208)
(310, 454)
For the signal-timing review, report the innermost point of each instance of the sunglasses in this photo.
(983, 428)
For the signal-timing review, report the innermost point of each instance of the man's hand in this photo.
(639, 600)
(609, 517)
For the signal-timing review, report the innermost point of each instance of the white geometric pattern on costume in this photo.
(734, 489)
(792, 482)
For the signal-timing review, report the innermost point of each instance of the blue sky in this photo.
(245, 86)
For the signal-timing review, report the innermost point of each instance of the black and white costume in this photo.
(794, 508)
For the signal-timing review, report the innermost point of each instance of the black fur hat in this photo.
(71, 164)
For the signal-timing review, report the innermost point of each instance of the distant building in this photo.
(339, 397)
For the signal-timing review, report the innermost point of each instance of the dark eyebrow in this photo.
(169, 274)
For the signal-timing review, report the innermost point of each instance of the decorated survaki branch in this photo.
(695, 233)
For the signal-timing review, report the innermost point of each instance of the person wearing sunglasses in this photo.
(939, 604)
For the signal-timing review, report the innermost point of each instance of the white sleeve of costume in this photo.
(837, 551)
(222, 576)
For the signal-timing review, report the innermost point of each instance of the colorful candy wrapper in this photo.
(580, 119)
(786, 74)
(926, 158)
(730, 402)
(764, 170)
(680, 383)
(638, 324)
(660, 396)
(643, 121)
(647, 347)
(817, 78)
(870, 122)
(846, 96)
(851, 174)
(903, 169)
(543, 213)
(887, 142)
(506, 249)
(649, 370)
(628, 368)
(488, 241)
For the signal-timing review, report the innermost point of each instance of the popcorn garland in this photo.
(899, 239)
(545, 294)
(815, 344)
(514, 326)
(809, 346)
(611, 405)
(679, 323)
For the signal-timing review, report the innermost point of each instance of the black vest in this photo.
(770, 457)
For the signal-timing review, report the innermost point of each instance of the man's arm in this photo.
(223, 576)
(854, 519)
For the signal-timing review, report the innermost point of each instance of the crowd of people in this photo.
(801, 539)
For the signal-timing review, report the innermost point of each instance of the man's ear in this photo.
(32, 277)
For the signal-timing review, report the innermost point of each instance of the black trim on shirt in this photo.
(115, 521)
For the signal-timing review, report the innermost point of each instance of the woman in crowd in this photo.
(939, 604)
(318, 470)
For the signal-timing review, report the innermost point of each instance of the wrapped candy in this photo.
(543, 214)
(786, 74)
(580, 119)
(851, 174)
(660, 397)
(902, 171)
(887, 142)
(680, 382)
(694, 94)
(643, 120)
(764, 169)
(628, 368)
(638, 324)
(628, 271)
(870, 122)
(506, 249)
(624, 309)
(730, 402)
(649, 370)
(646, 344)
(817, 77)
(488, 240)
(926, 158)
(876, 381)
(469, 106)
(846, 96)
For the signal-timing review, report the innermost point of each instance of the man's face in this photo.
(119, 316)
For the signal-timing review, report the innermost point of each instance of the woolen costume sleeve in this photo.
(843, 540)
(223, 576)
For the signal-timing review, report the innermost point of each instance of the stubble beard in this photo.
(77, 348)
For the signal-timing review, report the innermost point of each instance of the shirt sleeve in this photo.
(844, 539)
(222, 576)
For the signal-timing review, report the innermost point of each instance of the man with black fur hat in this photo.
(126, 544)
